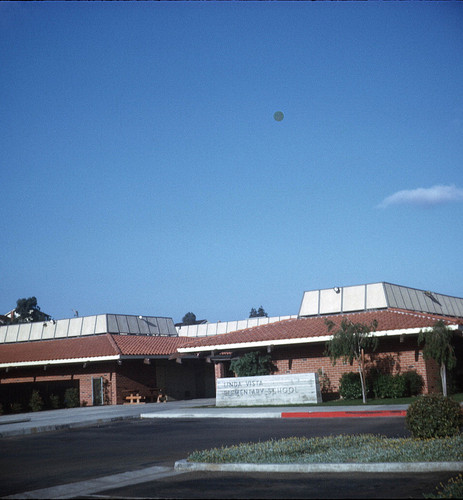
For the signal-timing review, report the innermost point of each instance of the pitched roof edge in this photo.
(113, 343)
(452, 324)
(64, 361)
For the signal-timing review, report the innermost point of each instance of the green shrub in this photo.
(433, 416)
(325, 382)
(414, 383)
(252, 364)
(16, 408)
(71, 398)
(1, 409)
(54, 402)
(400, 385)
(382, 385)
(378, 384)
(36, 401)
(389, 386)
(350, 386)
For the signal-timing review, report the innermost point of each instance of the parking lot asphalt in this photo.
(47, 421)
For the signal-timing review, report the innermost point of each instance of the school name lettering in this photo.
(262, 391)
(239, 383)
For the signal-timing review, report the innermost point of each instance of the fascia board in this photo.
(264, 343)
(304, 340)
(410, 331)
(43, 362)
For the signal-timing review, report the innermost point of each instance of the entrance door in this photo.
(97, 386)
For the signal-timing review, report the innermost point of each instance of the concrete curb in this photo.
(345, 414)
(58, 427)
(199, 414)
(184, 465)
(277, 414)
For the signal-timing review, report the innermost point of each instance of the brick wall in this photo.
(62, 376)
(219, 370)
(190, 379)
(392, 356)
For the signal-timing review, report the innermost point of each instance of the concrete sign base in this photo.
(297, 388)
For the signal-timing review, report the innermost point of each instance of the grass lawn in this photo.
(397, 401)
(362, 448)
(366, 448)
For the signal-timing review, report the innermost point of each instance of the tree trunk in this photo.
(443, 376)
(361, 371)
(363, 388)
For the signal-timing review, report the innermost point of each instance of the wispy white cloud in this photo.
(426, 197)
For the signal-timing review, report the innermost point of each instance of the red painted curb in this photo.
(343, 414)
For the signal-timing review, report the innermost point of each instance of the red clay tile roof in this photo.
(140, 345)
(88, 347)
(390, 319)
(96, 346)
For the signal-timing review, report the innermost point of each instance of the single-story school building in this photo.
(108, 358)
(115, 359)
(298, 345)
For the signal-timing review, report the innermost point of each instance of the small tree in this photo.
(252, 364)
(260, 313)
(36, 401)
(438, 346)
(71, 397)
(28, 311)
(350, 342)
(189, 319)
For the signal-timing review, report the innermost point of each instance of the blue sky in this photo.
(143, 172)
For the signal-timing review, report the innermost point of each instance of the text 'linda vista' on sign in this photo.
(295, 388)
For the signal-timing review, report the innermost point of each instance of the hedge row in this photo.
(381, 385)
(36, 402)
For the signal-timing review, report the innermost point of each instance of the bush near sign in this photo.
(263, 390)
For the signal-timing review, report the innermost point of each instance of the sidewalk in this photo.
(52, 420)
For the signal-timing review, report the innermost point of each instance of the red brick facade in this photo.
(55, 380)
(191, 379)
(392, 356)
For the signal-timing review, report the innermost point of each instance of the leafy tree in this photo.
(252, 364)
(350, 342)
(438, 346)
(189, 319)
(28, 311)
(259, 313)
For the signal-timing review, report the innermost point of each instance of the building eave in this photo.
(68, 361)
(302, 340)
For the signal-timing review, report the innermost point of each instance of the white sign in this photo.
(297, 388)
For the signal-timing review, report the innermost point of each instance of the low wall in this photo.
(268, 390)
